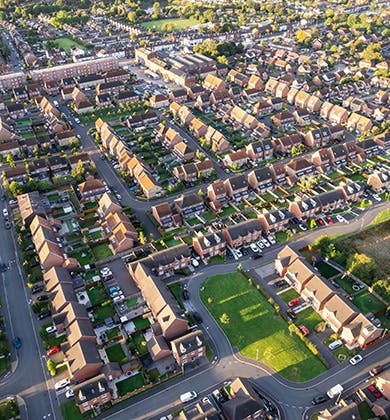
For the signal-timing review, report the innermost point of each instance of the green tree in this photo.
(142, 238)
(224, 318)
(10, 160)
(362, 266)
(156, 10)
(15, 189)
(78, 172)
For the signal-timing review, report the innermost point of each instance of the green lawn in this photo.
(97, 294)
(326, 270)
(367, 302)
(310, 318)
(70, 411)
(346, 283)
(130, 384)
(256, 330)
(112, 333)
(140, 343)
(66, 44)
(141, 323)
(288, 295)
(131, 302)
(365, 411)
(217, 259)
(175, 289)
(227, 211)
(154, 375)
(383, 216)
(101, 251)
(208, 216)
(177, 24)
(102, 312)
(115, 353)
(95, 235)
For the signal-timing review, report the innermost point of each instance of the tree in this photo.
(78, 172)
(312, 224)
(10, 160)
(362, 266)
(15, 189)
(156, 10)
(142, 238)
(224, 318)
(131, 17)
(200, 192)
(382, 287)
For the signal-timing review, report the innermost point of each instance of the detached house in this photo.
(237, 187)
(216, 193)
(92, 393)
(323, 160)
(379, 180)
(189, 205)
(189, 347)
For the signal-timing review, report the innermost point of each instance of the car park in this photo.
(52, 350)
(356, 359)
(376, 370)
(374, 391)
(63, 383)
(52, 329)
(293, 302)
(319, 399)
(17, 342)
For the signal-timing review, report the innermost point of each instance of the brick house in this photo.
(242, 233)
(208, 245)
(216, 193)
(189, 347)
(323, 160)
(164, 215)
(83, 361)
(379, 180)
(189, 205)
(305, 208)
(92, 394)
(261, 179)
(275, 220)
(300, 167)
(237, 187)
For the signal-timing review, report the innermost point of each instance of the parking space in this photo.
(122, 277)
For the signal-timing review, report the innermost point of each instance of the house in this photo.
(283, 118)
(255, 82)
(84, 158)
(245, 402)
(18, 174)
(214, 83)
(337, 313)
(383, 383)
(183, 152)
(261, 179)
(237, 187)
(317, 137)
(275, 220)
(164, 215)
(208, 245)
(369, 147)
(305, 208)
(238, 78)
(260, 150)
(216, 140)
(353, 191)
(216, 193)
(61, 296)
(91, 189)
(178, 95)
(298, 274)
(242, 233)
(331, 200)
(190, 172)
(316, 293)
(203, 409)
(83, 361)
(359, 123)
(80, 330)
(284, 259)
(126, 97)
(158, 347)
(197, 127)
(39, 169)
(150, 187)
(300, 167)
(168, 136)
(262, 108)
(302, 116)
(58, 165)
(158, 101)
(57, 276)
(338, 115)
(339, 155)
(383, 140)
(379, 180)
(189, 347)
(360, 332)
(279, 174)
(92, 393)
(285, 144)
(189, 204)
(323, 160)
(30, 205)
(301, 99)
(341, 411)
(236, 159)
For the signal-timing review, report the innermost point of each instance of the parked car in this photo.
(329, 220)
(17, 342)
(320, 221)
(303, 330)
(271, 240)
(52, 350)
(375, 370)
(335, 345)
(254, 248)
(52, 329)
(256, 256)
(356, 359)
(238, 253)
(37, 288)
(280, 283)
(319, 399)
(303, 227)
(194, 262)
(197, 317)
(44, 315)
(266, 243)
(186, 294)
(42, 298)
(69, 392)
(63, 383)
(5, 212)
(340, 218)
(3, 268)
(188, 396)
(374, 391)
(260, 244)
(218, 396)
(376, 197)
(7, 225)
(293, 302)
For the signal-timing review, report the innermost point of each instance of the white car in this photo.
(77, 120)
(266, 243)
(260, 244)
(55, 103)
(51, 329)
(194, 262)
(105, 271)
(271, 240)
(303, 227)
(356, 359)
(340, 218)
(254, 248)
(376, 197)
(238, 253)
(5, 212)
(69, 392)
(63, 383)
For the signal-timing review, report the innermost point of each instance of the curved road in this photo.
(293, 398)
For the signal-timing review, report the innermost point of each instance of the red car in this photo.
(52, 350)
(374, 391)
(304, 330)
(293, 302)
(320, 221)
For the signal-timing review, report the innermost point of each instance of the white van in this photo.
(188, 396)
(335, 345)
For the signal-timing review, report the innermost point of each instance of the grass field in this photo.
(101, 251)
(326, 270)
(70, 411)
(366, 302)
(288, 295)
(256, 330)
(177, 24)
(309, 318)
(115, 353)
(66, 44)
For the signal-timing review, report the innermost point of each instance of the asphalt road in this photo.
(294, 399)
(29, 376)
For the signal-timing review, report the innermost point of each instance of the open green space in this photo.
(367, 302)
(326, 270)
(101, 251)
(174, 24)
(70, 411)
(256, 329)
(97, 294)
(130, 384)
(67, 44)
(115, 353)
(288, 295)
